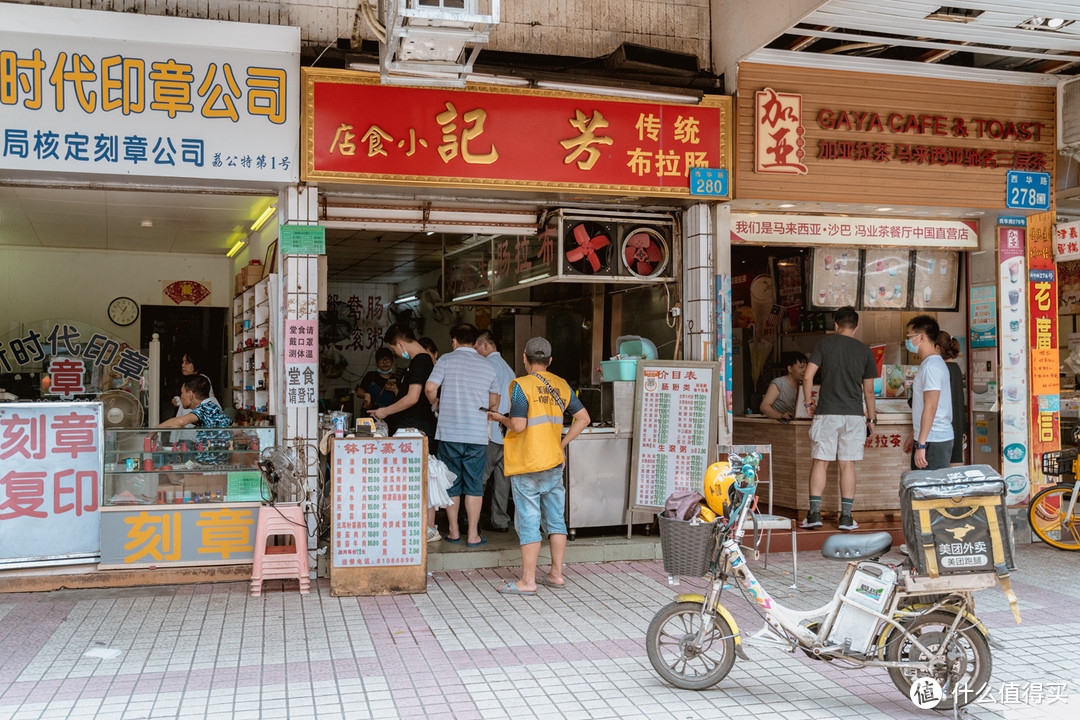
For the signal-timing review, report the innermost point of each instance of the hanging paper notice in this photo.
(379, 502)
(675, 432)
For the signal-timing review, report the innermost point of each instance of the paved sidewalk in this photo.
(465, 651)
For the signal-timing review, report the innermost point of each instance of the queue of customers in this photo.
(485, 424)
(844, 411)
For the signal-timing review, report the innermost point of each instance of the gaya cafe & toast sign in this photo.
(780, 138)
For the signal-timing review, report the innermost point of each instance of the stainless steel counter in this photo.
(598, 480)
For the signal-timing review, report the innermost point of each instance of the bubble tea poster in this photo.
(1012, 279)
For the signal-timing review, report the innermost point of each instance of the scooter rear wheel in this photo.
(967, 668)
(674, 655)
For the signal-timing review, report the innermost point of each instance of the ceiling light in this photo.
(1055, 23)
(430, 232)
(237, 247)
(1041, 23)
(266, 215)
(883, 210)
(406, 298)
(147, 223)
(787, 205)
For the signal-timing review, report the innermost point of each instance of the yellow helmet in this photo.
(719, 478)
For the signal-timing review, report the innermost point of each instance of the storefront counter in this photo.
(877, 474)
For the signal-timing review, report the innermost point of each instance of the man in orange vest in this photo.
(534, 453)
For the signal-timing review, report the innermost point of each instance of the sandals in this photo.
(511, 588)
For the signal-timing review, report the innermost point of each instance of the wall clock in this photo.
(123, 311)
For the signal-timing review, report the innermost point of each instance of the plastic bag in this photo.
(439, 480)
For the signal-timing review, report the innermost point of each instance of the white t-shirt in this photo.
(933, 375)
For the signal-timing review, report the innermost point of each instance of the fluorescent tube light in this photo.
(266, 215)
(236, 248)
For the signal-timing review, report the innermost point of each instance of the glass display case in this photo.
(196, 465)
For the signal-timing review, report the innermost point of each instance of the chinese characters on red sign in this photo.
(1067, 241)
(359, 129)
(1043, 338)
(379, 507)
(50, 466)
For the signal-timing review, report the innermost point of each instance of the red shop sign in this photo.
(358, 130)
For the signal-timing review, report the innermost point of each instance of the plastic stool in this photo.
(280, 562)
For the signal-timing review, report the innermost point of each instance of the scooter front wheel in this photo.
(678, 658)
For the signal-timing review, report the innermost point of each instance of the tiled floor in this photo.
(463, 651)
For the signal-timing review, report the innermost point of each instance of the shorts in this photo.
(466, 461)
(938, 455)
(838, 437)
(539, 502)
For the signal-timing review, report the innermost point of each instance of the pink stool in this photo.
(280, 562)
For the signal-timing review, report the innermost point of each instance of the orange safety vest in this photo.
(539, 446)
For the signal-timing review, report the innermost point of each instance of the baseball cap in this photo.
(538, 347)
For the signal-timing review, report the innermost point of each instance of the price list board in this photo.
(380, 503)
(675, 412)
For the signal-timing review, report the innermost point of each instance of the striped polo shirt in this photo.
(465, 378)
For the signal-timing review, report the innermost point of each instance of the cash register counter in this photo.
(877, 475)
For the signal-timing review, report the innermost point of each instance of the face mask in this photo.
(404, 355)
(383, 372)
(911, 346)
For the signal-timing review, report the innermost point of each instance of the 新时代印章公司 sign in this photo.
(120, 94)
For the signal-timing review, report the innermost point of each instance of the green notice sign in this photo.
(303, 240)
(245, 486)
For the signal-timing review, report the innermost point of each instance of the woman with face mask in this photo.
(378, 388)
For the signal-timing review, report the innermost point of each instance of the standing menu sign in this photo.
(380, 503)
(50, 482)
(675, 412)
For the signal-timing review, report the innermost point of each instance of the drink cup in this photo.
(892, 268)
(828, 261)
(879, 266)
(944, 267)
(897, 292)
(1014, 271)
(930, 265)
(1014, 298)
(1012, 392)
(821, 297)
(1014, 358)
(1014, 326)
(927, 293)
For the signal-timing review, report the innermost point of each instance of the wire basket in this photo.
(687, 547)
(1058, 462)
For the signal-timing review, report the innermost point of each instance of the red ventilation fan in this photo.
(588, 251)
(645, 252)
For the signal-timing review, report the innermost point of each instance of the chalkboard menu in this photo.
(379, 502)
(675, 414)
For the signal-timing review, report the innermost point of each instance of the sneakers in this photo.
(848, 523)
(813, 520)
(433, 535)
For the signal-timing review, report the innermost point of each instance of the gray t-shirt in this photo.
(785, 401)
(843, 363)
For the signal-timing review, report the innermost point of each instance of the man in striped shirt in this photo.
(469, 386)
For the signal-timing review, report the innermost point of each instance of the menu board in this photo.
(936, 274)
(834, 277)
(379, 502)
(1013, 359)
(675, 413)
(885, 278)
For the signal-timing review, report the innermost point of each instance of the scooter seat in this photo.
(856, 547)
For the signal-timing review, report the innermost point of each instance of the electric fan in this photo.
(121, 409)
(645, 253)
(403, 315)
(281, 474)
(432, 305)
(589, 249)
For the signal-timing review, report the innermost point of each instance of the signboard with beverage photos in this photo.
(675, 413)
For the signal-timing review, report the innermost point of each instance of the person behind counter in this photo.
(931, 399)
(783, 392)
(412, 408)
(535, 452)
(202, 412)
(949, 347)
(378, 388)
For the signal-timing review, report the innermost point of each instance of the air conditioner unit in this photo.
(1068, 118)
